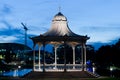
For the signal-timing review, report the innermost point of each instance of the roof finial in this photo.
(59, 8)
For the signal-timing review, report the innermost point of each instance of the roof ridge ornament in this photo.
(59, 9)
(59, 5)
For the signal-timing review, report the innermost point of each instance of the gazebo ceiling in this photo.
(59, 31)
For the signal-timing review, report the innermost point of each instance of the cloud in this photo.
(5, 39)
(7, 24)
(5, 9)
(8, 33)
(9, 29)
(35, 30)
(99, 28)
(101, 34)
(10, 36)
(3, 27)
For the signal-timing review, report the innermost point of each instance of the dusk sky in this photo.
(98, 19)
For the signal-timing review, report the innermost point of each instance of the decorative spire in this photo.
(59, 5)
(59, 8)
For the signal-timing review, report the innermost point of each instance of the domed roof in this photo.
(59, 17)
(59, 27)
(59, 31)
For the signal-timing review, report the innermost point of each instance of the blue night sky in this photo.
(99, 19)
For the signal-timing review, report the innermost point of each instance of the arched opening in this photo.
(60, 54)
(78, 55)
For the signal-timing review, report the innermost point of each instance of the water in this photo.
(17, 73)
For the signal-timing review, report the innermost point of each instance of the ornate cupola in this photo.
(59, 27)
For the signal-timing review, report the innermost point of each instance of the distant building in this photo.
(9, 51)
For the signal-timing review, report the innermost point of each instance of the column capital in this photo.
(73, 47)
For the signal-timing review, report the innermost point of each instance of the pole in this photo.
(25, 28)
(25, 37)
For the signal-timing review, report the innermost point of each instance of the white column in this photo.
(55, 57)
(73, 47)
(39, 58)
(84, 47)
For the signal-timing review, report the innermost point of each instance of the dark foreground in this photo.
(105, 78)
(82, 75)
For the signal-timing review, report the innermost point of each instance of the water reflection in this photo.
(17, 72)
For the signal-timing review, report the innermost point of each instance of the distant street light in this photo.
(111, 70)
(94, 68)
(19, 67)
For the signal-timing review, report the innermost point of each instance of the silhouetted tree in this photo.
(90, 53)
(104, 56)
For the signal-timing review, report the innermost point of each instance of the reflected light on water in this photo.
(17, 73)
